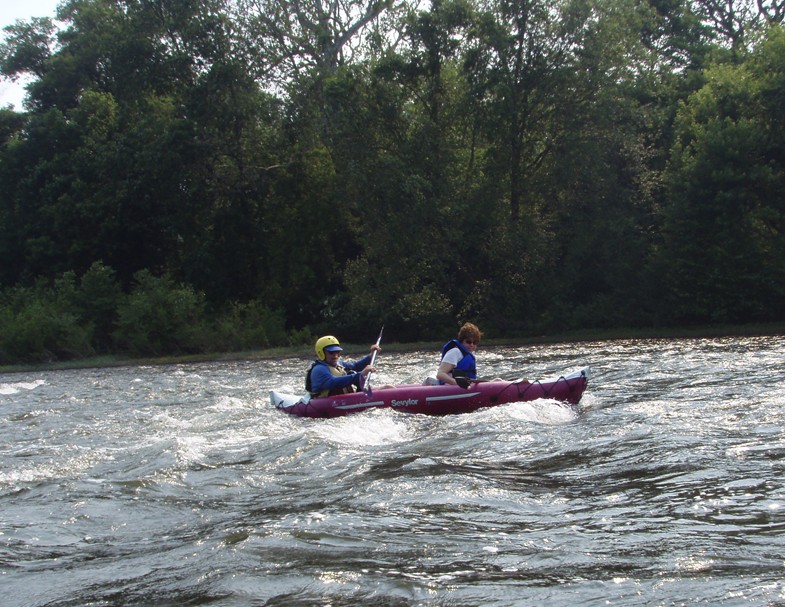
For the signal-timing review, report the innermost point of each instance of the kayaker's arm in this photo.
(443, 374)
(322, 379)
(362, 366)
(358, 365)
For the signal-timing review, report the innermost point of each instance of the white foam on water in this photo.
(543, 411)
(364, 429)
(15, 388)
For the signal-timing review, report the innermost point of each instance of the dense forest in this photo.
(215, 175)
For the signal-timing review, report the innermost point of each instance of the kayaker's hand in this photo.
(463, 382)
(368, 370)
(376, 347)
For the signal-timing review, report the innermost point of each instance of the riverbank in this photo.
(305, 351)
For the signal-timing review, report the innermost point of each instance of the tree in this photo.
(522, 56)
(772, 10)
(737, 23)
(27, 48)
(724, 221)
(288, 43)
(160, 317)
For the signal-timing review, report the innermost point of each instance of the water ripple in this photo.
(180, 485)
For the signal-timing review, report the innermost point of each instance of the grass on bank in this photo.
(306, 352)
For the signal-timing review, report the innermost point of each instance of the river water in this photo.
(180, 485)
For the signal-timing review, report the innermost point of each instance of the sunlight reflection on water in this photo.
(182, 485)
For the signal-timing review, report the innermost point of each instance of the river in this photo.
(180, 485)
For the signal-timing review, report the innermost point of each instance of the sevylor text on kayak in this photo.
(436, 400)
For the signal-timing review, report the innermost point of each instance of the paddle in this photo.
(367, 386)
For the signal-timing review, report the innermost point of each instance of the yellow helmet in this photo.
(328, 343)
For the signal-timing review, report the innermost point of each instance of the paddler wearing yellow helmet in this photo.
(330, 374)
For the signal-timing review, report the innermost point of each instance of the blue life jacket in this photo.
(467, 366)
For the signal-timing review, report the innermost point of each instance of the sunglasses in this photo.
(471, 342)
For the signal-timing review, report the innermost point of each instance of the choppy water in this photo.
(180, 485)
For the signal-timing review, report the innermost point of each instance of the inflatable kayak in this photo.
(436, 400)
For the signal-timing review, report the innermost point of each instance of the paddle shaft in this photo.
(373, 358)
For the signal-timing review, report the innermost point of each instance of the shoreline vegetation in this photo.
(180, 187)
(592, 335)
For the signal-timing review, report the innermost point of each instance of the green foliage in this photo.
(26, 48)
(38, 324)
(530, 166)
(250, 326)
(161, 317)
(76, 318)
(99, 298)
(411, 308)
(723, 230)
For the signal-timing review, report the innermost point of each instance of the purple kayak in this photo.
(436, 400)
